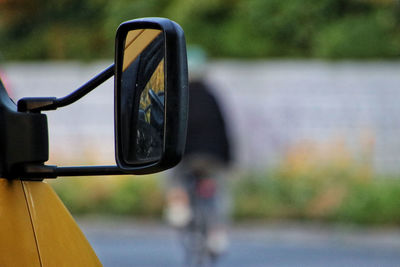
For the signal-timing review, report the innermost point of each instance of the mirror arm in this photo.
(88, 170)
(86, 88)
(39, 172)
(37, 104)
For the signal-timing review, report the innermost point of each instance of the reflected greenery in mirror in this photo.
(142, 96)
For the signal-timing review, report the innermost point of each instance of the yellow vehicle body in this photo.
(37, 230)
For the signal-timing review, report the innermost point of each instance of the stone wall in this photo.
(271, 107)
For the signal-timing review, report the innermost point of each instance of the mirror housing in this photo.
(157, 48)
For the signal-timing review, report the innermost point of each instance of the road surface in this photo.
(122, 242)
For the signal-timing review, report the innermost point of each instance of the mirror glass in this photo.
(141, 98)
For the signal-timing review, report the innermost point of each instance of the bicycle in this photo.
(200, 246)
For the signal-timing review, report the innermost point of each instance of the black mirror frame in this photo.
(176, 93)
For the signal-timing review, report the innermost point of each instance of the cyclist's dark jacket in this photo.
(206, 125)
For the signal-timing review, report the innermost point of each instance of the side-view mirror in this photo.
(150, 91)
(151, 99)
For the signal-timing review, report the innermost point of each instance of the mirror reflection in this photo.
(142, 97)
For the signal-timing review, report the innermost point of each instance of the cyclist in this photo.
(195, 199)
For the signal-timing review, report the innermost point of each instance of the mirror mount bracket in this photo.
(38, 104)
(34, 169)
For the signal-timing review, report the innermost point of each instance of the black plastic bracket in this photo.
(23, 137)
(35, 172)
(36, 104)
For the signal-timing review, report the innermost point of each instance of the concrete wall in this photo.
(270, 106)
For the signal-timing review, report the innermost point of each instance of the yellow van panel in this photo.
(60, 241)
(17, 240)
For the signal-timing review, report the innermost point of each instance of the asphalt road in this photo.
(131, 243)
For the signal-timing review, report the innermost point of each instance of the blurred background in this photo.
(310, 92)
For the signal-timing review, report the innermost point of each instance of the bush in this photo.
(377, 202)
(324, 182)
(272, 196)
(130, 196)
(241, 28)
(363, 36)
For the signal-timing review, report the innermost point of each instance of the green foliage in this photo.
(131, 196)
(139, 197)
(326, 182)
(323, 195)
(53, 30)
(347, 200)
(225, 28)
(363, 36)
(377, 202)
(285, 26)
